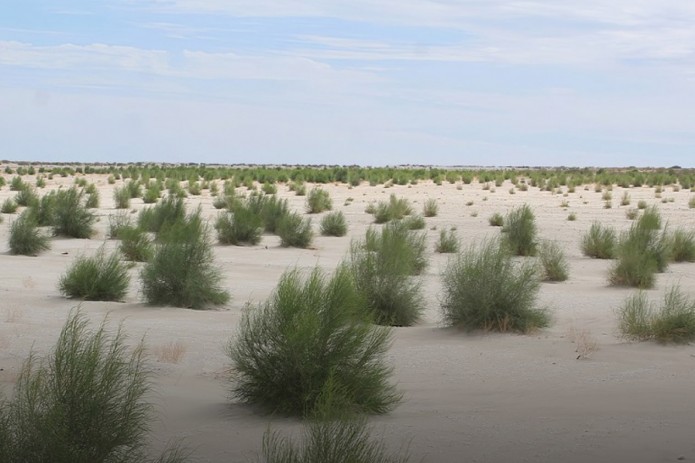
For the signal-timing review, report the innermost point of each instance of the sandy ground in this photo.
(476, 398)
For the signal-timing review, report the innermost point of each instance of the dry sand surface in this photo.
(467, 397)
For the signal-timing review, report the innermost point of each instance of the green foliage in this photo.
(496, 220)
(382, 267)
(295, 231)
(572, 217)
(121, 197)
(269, 208)
(334, 224)
(135, 244)
(691, 202)
(118, 222)
(553, 262)
(269, 188)
(599, 242)
(69, 215)
(96, 278)
(25, 236)
(82, 403)
(92, 200)
(448, 242)
(395, 209)
(242, 226)
(681, 243)
(181, 272)
(673, 322)
(484, 288)
(520, 231)
(16, 184)
(430, 208)
(414, 222)
(310, 337)
(9, 206)
(641, 204)
(625, 200)
(168, 212)
(318, 201)
(26, 196)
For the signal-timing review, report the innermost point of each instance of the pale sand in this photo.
(480, 397)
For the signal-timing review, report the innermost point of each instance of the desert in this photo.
(574, 391)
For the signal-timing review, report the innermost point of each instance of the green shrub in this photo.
(484, 288)
(269, 188)
(194, 188)
(118, 222)
(121, 197)
(238, 227)
(135, 244)
(496, 220)
(92, 200)
(673, 322)
(632, 213)
(641, 204)
(414, 222)
(96, 278)
(691, 203)
(134, 188)
(16, 184)
(430, 208)
(599, 242)
(181, 272)
(553, 262)
(311, 336)
(40, 182)
(26, 197)
(625, 200)
(382, 267)
(9, 206)
(272, 211)
(43, 211)
(520, 231)
(169, 211)
(152, 194)
(295, 231)
(334, 224)
(448, 242)
(395, 209)
(25, 236)
(572, 217)
(70, 217)
(682, 245)
(83, 402)
(318, 201)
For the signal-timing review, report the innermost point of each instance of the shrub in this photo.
(16, 184)
(572, 217)
(295, 231)
(641, 204)
(25, 236)
(238, 227)
(272, 211)
(430, 208)
(309, 337)
(135, 244)
(673, 322)
(395, 209)
(553, 261)
(121, 197)
(118, 222)
(269, 188)
(691, 203)
(485, 289)
(26, 197)
(682, 245)
(152, 194)
(181, 272)
(84, 402)
(9, 206)
(520, 231)
(625, 200)
(599, 242)
(134, 188)
(318, 201)
(43, 211)
(496, 220)
(414, 222)
(92, 200)
(169, 211)
(632, 213)
(448, 242)
(382, 267)
(96, 278)
(70, 217)
(334, 224)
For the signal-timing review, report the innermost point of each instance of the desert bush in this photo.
(295, 231)
(9, 206)
(43, 210)
(520, 231)
(92, 201)
(152, 194)
(238, 226)
(382, 267)
(641, 204)
(496, 220)
(118, 222)
(625, 199)
(599, 242)
(26, 197)
(682, 245)
(96, 278)
(484, 288)
(273, 210)
(553, 262)
(395, 209)
(169, 211)
(673, 322)
(25, 236)
(448, 242)
(632, 213)
(181, 271)
(16, 184)
(414, 222)
(135, 244)
(83, 402)
(310, 336)
(691, 203)
(318, 201)
(334, 224)
(269, 188)
(194, 188)
(430, 208)
(572, 217)
(121, 197)
(134, 188)
(69, 215)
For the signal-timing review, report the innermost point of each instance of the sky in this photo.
(368, 82)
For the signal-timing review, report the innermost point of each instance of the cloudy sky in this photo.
(371, 82)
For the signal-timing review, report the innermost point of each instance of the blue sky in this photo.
(469, 82)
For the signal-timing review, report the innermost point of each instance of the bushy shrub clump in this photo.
(295, 231)
(25, 236)
(553, 262)
(84, 402)
(182, 272)
(395, 209)
(448, 242)
(484, 288)
(96, 278)
(9, 206)
(168, 212)
(520, 231)
(121, 197)
(70, 217)
(118, 222)
(269, 208)
(496, 220)
(135, 244)
(318, 201)
(673, 322)
(414, 222)
(334, 224)
(26, 196)
(599, 242)
(682, 245)
(312, 337)
(239, 226)
(430, 208)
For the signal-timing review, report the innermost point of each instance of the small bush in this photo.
(430, 208)
(448, 242)
(171, 210)
(135, 244)
(70, 217)
(43, 211)
(496, 220)
(485, 289)
(9, 206)
(553, 262)
(269, 188)
(599, 242)
(318, 201)
(92, 200)
(295, 231)
(673, 322)
(309, 337)
(121, 197)
(334, 224)
(241, 226)
(682, 245)
(181, 272)
(395, 209)
(118, 222)
(520, 231)
(97, 278)
(641, 204)
(632, 213)
(572, 217)
(26, 197)
(625, 200)
(16, 184)
(25, 236)
(691, 203)
(152, 194)
(414, 222)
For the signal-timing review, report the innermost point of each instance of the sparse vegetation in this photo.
(318, 201)
(334, 224)
(395, 209)
(430, 208)
(25, 236)
(96, 278)
(496, 220)
(240, 226)
(681, 243)
(9, 206)
(121, 197)
(295, 231)
(135, 244)
(599, 242)
(69, 215)
(520, 231)
(448, 242)
(553, 262)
